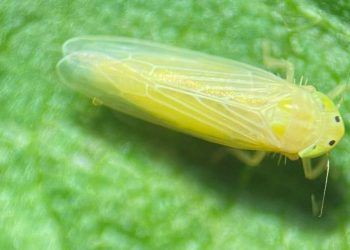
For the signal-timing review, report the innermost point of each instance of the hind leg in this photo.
(250, 159)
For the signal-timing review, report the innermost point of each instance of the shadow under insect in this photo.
(271, 188)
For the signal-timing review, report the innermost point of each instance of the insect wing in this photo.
(213, 98)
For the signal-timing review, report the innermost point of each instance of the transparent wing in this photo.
(213, 98)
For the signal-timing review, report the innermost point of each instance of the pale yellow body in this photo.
(212, 98)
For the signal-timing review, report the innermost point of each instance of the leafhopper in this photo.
(213, 98)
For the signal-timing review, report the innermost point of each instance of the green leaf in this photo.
(78, 176)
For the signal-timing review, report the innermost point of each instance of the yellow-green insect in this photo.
(216, 99)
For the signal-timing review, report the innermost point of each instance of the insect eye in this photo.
(337, 118)
(331, 143)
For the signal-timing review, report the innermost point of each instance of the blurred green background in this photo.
(77, 176)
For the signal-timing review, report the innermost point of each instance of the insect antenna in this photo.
(324, 189)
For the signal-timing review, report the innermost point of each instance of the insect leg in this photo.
(248, 158)
(313, 172)
(274, 63)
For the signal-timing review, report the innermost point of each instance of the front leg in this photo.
(314, 172)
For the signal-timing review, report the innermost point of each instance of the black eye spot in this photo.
(331, 143)
(337, 119)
